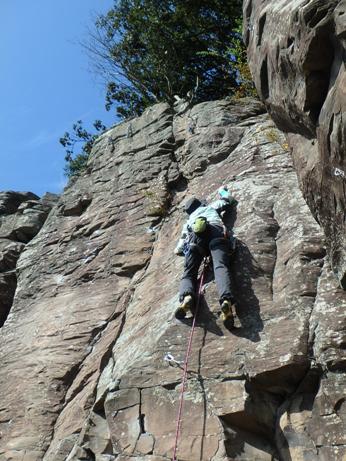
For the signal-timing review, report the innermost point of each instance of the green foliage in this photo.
(151, 50)
(246, 86)
(76, 163)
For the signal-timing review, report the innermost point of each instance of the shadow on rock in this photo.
(229, 218)
(244, 269)
(205, 319)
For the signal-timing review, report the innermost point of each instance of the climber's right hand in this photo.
(179, 251)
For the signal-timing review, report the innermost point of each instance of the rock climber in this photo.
(204, 234)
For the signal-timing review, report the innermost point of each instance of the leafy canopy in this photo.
(245, 85)
(151, 50)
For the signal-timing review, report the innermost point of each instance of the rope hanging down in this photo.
(186, 361)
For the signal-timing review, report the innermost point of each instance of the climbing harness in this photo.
(186, 361)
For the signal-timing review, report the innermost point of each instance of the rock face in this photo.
(297, 52)
(22, 215)
(84, 375)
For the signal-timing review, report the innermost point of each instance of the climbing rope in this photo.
(186, 361)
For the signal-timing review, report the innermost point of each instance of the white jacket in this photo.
(211, 212)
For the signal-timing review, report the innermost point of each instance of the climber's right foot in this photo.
(227, 315)
(184, 307)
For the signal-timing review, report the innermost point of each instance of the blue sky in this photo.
(45, 86)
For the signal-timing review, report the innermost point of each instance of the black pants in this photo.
(212, 242)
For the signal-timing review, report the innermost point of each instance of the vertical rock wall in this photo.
(297, 52)
(22, 215)
(83, 373)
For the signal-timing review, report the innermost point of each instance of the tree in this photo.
(75, 163)
(151, 50)
(246, 86)
(155, 50)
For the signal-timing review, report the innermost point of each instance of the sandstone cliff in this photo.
(22, 215)
(83, 375)
(297, 53)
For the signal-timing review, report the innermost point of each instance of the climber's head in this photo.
(192, 204)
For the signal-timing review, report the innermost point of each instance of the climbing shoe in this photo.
(184, 307)
(227, 315)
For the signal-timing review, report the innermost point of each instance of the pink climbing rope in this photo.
(187, 355)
